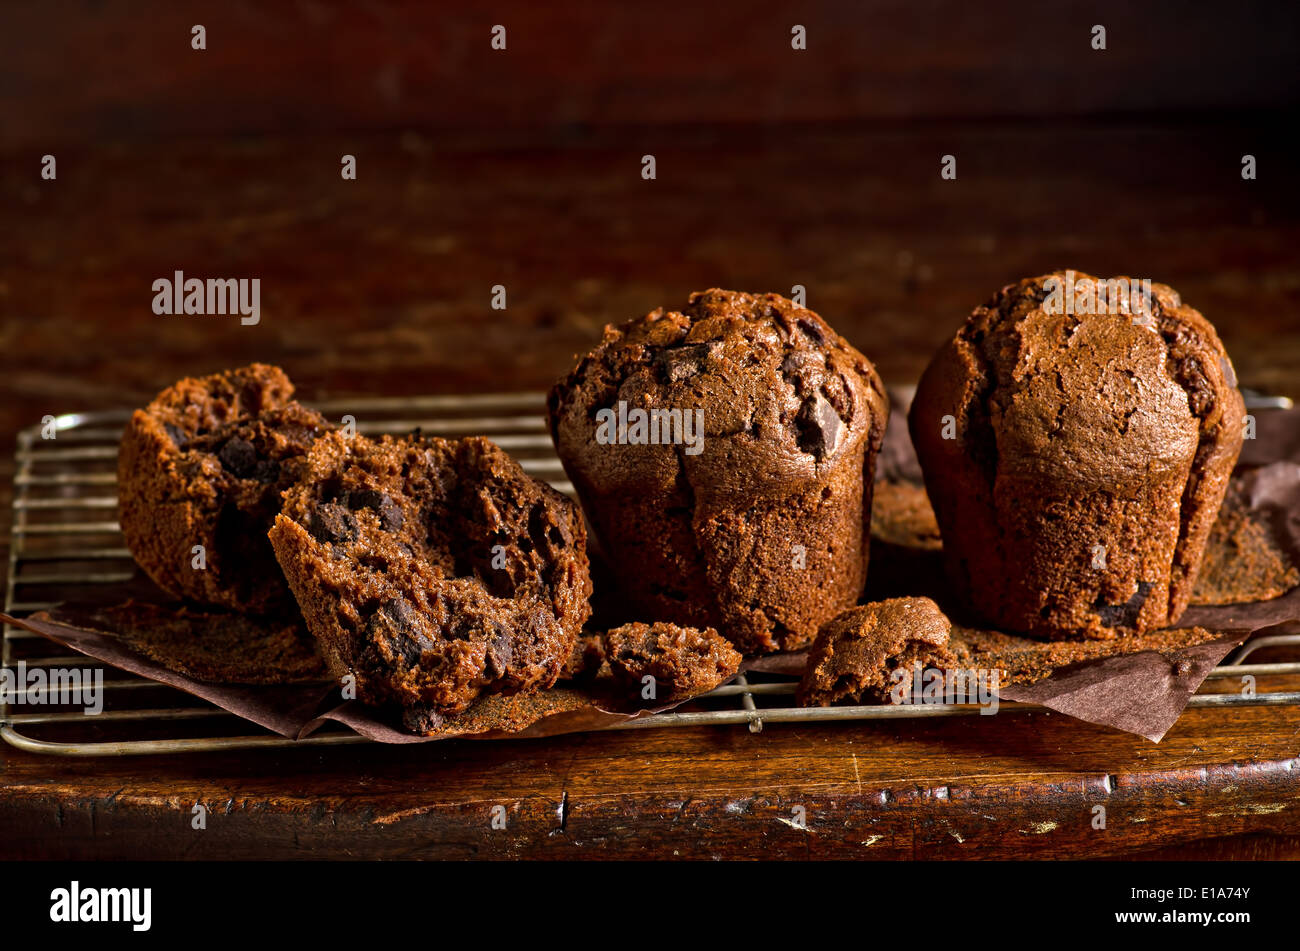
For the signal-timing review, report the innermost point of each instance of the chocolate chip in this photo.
(500, 652)
(795, 361)
(803, 369)
(682, 363)
(390, 514)
(1126, 614)
(238, 456)
(403, 613)
(176, 435)
(810, 328)
(400, 624)
(332, 523)
(266, 470)
(820, 427)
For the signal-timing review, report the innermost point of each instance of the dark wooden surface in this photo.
(1011, 786)
(381, 286)
(78, 70)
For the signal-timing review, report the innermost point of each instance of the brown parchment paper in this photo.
(1136, 684)
(267, 671)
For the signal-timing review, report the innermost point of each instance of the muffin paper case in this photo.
(724, 457)
(1076, 459)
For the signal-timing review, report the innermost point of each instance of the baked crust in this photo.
(793, 417)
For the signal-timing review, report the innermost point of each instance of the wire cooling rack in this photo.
(66, 541)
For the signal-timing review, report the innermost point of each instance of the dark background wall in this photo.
(79, 71)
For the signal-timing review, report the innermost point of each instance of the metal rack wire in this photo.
(65, 541)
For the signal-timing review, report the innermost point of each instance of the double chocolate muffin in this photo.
(433, 570)
(724, 456)
(1077, 460)
(204, 465)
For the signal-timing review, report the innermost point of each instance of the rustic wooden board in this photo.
(1010, 786)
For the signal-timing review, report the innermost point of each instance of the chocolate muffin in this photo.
(204, 464)
(855, 654)
(1076, 460)
(724, 456)
(684, 662)
(433, 570)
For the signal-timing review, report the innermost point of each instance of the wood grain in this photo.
(80, 71)
(1011, 786)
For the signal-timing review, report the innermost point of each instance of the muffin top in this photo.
(1086, 382)
(236, 437)
(200, 406)
(778, 395)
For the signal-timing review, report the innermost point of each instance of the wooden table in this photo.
(381, 286)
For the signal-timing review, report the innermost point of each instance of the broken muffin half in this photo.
(433, 571)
